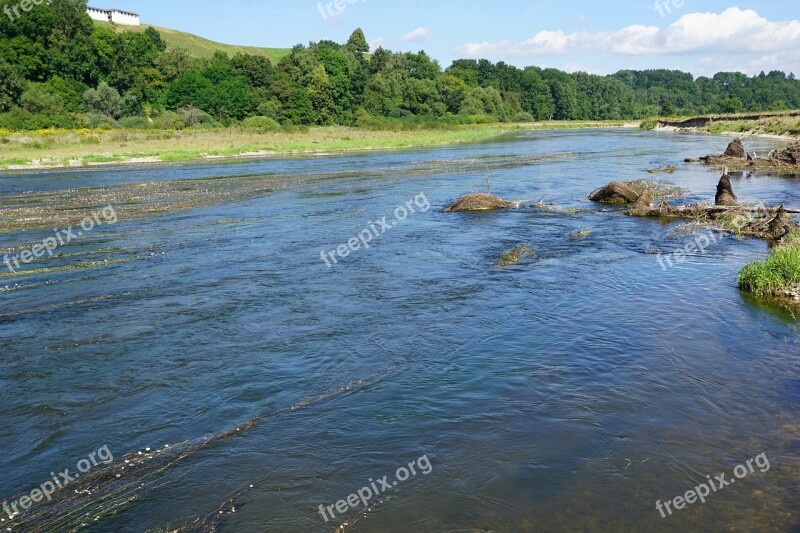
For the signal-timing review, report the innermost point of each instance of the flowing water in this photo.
(569, 392)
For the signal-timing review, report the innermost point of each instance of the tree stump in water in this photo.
(736, 149)
(725, 195)
(779, 226)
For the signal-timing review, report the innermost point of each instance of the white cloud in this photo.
(734, 31)
(377, 43)
(417, 35)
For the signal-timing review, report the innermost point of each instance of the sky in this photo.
(601, 36)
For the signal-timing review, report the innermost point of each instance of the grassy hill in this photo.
(199, 47)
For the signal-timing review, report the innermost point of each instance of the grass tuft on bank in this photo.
(777, 276)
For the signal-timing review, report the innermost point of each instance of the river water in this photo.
(569, 392)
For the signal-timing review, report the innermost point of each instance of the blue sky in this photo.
(699, 36)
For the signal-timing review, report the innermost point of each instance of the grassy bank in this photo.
(778, 276)
(198, 46)
(76, 148)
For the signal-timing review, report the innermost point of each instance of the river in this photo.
(570, 392)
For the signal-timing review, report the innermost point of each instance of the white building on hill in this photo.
(116, 16)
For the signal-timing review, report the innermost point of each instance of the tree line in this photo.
(59, 69)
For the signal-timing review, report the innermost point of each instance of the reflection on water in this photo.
(569, 392)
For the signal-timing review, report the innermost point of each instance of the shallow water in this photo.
(570, 392)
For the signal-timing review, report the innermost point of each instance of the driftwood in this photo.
(755, 221)
(699, 210)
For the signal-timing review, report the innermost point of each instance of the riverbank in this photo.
(781, 125)
(46, 149)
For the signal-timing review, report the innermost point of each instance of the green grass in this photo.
(779, 272)
(197, 46)
(742, 126)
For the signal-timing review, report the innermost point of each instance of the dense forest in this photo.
(59, 69)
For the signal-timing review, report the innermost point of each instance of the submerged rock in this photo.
(515, 255)
(669, 169)
(725, 195)
(615, 193)
(478, 202)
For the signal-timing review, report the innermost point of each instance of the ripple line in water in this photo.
(109, 491)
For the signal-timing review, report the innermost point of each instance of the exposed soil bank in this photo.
(782, 125)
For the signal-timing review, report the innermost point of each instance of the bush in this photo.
(19, 119)
(260, 123)
(138, 123)
(169, 120)
(193, 116)
(99, 121)
(524, 117)
(482, 119)
(269, 108)
(37, 99)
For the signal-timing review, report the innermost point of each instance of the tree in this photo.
(38, 99)
(358, 42)
(731, 105)
(11, 85)
(257, 69)
(104, 100)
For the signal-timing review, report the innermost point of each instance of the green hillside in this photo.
(199, 47)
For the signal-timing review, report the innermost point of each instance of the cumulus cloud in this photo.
(417, 35)
(734, 31)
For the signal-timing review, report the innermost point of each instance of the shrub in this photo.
(482, 119)
(524, 117)
(99, 121)
(169, 120)
(193, 116)
(19, 119)
(37, 99)
(260, 123)
(134, 123)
